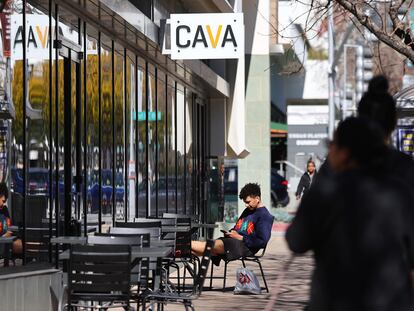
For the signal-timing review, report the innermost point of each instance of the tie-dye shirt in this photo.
(255, 227)
(4, 220)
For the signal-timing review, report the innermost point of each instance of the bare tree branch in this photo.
(400, 39)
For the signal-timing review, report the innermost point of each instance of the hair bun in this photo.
(378, 85)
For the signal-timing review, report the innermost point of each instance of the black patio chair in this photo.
(254, 258)
(165, 297)
(99, 273)
(155, 233)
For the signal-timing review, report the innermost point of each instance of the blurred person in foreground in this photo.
(358, 223)
(251, 232)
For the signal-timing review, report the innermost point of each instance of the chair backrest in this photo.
(144, 237)
(155, 233)
(115, 240)
(146, 224)
(16, 209)
(99, 269)
(205, 261)
(168, 221)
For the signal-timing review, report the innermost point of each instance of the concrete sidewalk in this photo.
(292, 296)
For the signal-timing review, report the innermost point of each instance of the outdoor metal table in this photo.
(136, 253)
(205, 226)
(172, 229)
(45, 229)
(72, 240)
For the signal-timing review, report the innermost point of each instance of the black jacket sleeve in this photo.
(306, 228)
(301, 185)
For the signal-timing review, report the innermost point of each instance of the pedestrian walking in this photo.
(359, 264)
(306, 179)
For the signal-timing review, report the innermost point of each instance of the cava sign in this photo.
(206, 36)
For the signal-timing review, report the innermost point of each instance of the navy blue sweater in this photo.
(255, 227)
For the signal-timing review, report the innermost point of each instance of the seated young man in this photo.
(251, 232)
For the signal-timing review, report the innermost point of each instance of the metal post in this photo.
(331, 73)
(344, 108)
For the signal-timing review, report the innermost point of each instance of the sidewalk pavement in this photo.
(292, 296)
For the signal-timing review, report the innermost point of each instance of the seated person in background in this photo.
(250, 234)
(5, 221)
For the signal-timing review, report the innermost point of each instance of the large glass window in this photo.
(180, 149)
(171, 147)
(107, 130)
(142, 141)
(162, 143)
(92, 128)
(189, 195)
(129, 135)
(152, 141)
(119, 130)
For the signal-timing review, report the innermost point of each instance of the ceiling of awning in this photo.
(405, 102)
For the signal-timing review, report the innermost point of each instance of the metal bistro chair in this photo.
(148, 264)
(99, 273)
(184, 298)
(254, 258)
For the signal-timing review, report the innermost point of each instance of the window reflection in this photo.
(171, 143)
(119, 131)
(141, 149)
(107, 130)
(189, 153)
(152, 146)
(92, 127)
(162, 147)
(180, 149)
(130, 139)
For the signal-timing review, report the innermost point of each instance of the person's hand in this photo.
(298, 197)
(234, 235)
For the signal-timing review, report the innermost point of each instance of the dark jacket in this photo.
(304, 184)
(359, 228)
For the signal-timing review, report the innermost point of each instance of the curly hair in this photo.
(250, 190)
(4, 190)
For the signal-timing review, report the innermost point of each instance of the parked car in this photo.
(279, 185)
(38, 183)
(92, 198)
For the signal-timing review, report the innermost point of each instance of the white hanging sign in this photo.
(206, 36)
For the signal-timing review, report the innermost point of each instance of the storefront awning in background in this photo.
(405, 102)
(278, 130)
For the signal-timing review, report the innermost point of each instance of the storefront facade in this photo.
(114, 130)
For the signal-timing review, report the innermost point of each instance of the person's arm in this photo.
(300, 187)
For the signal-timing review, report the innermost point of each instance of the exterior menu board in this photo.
(405, 140)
